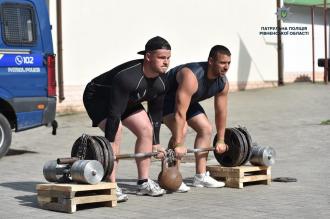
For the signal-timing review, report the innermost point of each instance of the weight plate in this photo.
(244, 146)
(110, 155)
(241, 146)
(87, 171)
(105, 154)
(231, 157)
(90, 151)
(249, 141)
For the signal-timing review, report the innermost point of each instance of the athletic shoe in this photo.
(150, 188)
(204, 180)
(183, 188)
(121, 197)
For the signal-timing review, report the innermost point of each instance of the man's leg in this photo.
(115, 147)
(170, 123)
(140, 125)
(202, 126)
(121, 197)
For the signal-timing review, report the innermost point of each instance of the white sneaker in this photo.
(121, 197)
(183, 188)
(204, 180)
(150, 188)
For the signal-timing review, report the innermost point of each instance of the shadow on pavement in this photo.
(28, 200)
(13, 152)
(29, 186)
(128, 185)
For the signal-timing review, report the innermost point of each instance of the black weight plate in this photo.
(249, 141)
(230, 157)
(241, 146)
(110, 154)
(90, 152)
(105, 155)
(244, 147)
(99, 151)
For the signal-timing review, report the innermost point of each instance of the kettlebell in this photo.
(170, 177)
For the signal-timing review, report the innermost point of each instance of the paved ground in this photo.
(286, 118)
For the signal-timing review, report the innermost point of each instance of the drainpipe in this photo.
(59, 51)
(313, 43)
(279, 48)
(326, 67)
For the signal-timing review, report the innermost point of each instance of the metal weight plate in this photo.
(249, 141)
(241, 146)
(93, 152)
(90, 151)
(244, 147)
(262, 156)
(231, 157)
(105, 154)
(110, 155)
(87, 171)
(54, 172)
(99, 151)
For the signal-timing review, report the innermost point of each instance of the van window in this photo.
(18, 24)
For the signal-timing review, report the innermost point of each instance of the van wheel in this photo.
(5, 135)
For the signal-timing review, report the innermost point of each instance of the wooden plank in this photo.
(59, 207)
(93, 199)
(75, 187)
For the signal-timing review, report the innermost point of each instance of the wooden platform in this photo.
(66, 197)
(237, 177)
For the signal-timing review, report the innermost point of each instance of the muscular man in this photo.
(189, 84)
(114, 99)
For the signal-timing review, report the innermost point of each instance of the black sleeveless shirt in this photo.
(206, 88)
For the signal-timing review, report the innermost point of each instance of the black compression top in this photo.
(125, 86)
(206, 87)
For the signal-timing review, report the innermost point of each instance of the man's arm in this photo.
(155, 112)
(118, 102)
(220, 107)
(187, 87)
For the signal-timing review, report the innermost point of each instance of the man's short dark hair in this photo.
(219, 49)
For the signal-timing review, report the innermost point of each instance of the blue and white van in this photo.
(27, 68)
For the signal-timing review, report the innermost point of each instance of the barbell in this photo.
(240, 151)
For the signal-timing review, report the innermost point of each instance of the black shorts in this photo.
(97, 106)
(193, 110)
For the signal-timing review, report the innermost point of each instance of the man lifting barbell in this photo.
(114, 99)
(187, 85)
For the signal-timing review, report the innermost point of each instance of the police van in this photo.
(27, 68)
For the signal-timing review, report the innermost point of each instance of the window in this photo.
(18, 24)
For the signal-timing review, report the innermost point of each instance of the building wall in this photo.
(100, 34)
(298, 59)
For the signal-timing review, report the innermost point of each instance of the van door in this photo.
(22, 65)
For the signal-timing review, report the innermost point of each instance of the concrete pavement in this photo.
(286, 118)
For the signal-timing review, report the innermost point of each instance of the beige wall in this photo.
(100, 34)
